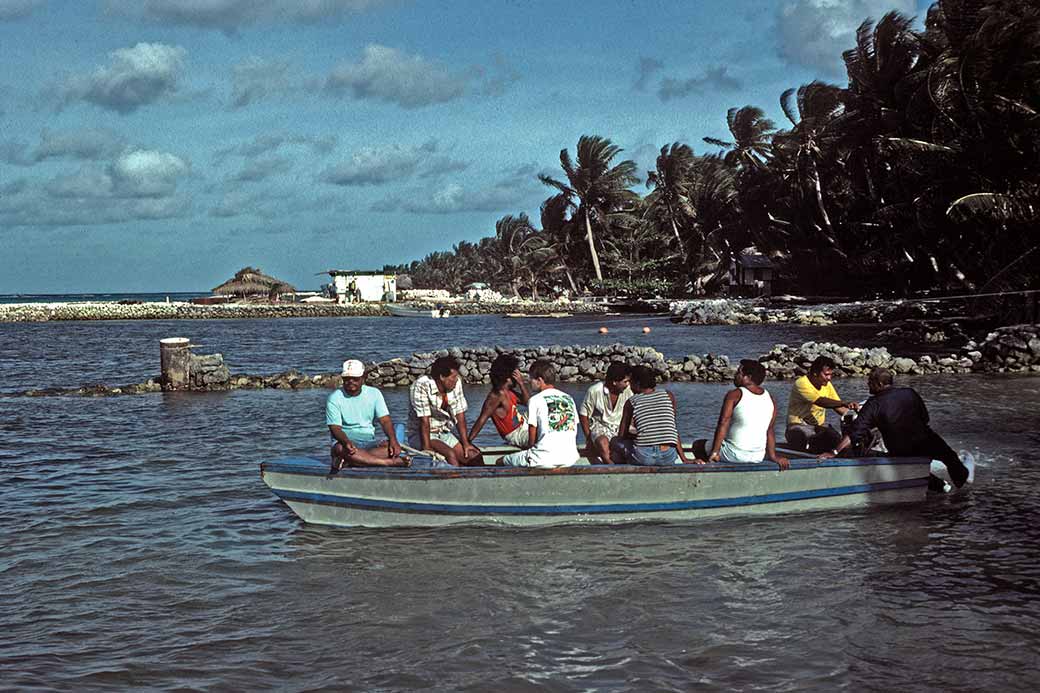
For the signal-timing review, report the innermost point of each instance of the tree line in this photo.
(922, 173)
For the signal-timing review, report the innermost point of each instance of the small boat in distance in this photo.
(520, 496)
(405, 310)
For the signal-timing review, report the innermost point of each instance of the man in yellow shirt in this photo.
(811, 396)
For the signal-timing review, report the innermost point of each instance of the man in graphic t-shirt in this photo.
(553, 423)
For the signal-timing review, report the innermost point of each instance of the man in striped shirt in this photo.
(652, 412)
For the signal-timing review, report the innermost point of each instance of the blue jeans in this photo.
(645, 455)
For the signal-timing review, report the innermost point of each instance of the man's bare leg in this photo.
(373, 457)
(475, 461)
(448, 453)
(602, 447)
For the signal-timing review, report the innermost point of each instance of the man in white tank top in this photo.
(745, 429)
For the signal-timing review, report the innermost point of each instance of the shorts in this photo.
(517, 437)
(523, 459)
(598, 430)
(445, 436)
(517, 459)
(364, 444)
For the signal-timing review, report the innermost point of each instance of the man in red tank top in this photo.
(507, 391)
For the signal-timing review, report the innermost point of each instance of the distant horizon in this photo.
(151, 142)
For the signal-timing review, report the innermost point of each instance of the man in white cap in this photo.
(349, 413)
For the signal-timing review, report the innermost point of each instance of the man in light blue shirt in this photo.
(349, 413)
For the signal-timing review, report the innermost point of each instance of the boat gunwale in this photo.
(309, 466)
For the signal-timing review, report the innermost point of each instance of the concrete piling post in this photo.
(175, 359)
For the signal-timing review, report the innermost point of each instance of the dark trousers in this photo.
(815, 439)
(934, 447)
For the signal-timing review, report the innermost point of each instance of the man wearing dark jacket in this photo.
(899, 413)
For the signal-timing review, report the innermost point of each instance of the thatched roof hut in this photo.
(250, 281)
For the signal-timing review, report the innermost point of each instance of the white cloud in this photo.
(146, 173)
(265, 143)
(715, 79)
(87, 182)
(89, 144)
(17, 9)
(230, 15)
(255, 79)
(374, 166)
(82, 199)
(515, 189)
(813, 33)
(133, 78)
(387, 74)
(14, 152)
(257, 170)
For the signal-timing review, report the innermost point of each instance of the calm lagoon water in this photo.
(141, 550)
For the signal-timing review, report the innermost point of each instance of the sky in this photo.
(161, 145)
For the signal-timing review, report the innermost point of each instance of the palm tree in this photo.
(752, 133)
(599, 188)
(812, 109)
(715, 219)
(669, 181)
(559, 230)
(523, 252)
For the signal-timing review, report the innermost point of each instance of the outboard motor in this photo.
(873, 446)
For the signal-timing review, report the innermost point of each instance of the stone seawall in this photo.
(729, 311)
(44, 312)
(1014, 349)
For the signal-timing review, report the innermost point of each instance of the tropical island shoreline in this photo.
(182, 310)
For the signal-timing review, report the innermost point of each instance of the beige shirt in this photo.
(596, 406)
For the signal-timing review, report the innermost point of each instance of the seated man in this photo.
(600, 413)
(349, 412)
(811, 396)
(652, 413)
(745, 429)
(553, 427)
(899, 413)
(437, 415)
(507, 391)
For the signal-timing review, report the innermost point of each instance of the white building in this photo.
(351, 286)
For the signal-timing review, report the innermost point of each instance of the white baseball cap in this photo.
(352, 368)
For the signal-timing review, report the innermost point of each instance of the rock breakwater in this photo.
(724, 311)
(1014, 349)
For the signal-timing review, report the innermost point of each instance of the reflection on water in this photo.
(142, 550)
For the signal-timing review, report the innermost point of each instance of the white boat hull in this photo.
(393, 497)
(404, 311)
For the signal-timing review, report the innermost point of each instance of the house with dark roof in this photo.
(752, 274)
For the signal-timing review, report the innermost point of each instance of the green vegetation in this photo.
(922, 173)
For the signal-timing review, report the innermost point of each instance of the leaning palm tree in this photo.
(752, 133)
(520, 250)
(599, 188)
(669, 181)
(812, 108)
(559, 230)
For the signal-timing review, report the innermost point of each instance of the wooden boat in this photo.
(400, 497)
(404, 310)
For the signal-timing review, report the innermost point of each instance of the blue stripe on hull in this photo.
(620, 508)
(312, 467)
